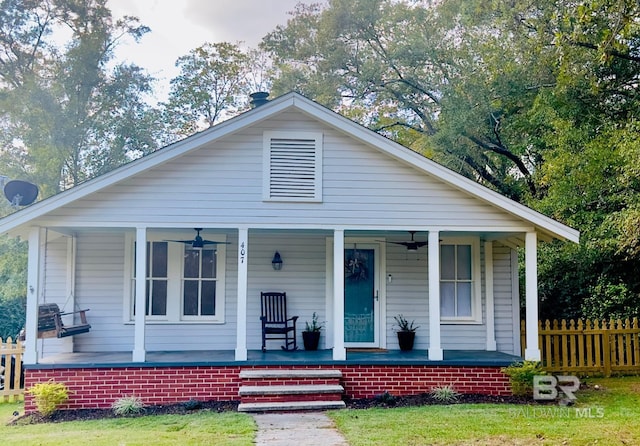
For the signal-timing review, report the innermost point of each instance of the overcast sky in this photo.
(178, 26)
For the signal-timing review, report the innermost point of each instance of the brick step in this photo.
(290, 389)
(290, 406)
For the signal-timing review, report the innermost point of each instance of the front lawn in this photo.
(201, 428)
(605, 416)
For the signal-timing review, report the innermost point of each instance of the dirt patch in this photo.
(381, 401)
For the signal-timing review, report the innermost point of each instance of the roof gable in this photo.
(291, 101)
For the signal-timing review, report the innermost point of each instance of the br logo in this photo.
(547, 387)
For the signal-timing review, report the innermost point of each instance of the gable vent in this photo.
(293, 163)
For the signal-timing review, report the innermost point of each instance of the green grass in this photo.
(604, 417)
(202, 428)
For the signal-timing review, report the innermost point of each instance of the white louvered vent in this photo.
(293, 162)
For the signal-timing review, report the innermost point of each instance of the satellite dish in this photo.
(20, 193)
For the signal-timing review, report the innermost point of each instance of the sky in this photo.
(178, 26)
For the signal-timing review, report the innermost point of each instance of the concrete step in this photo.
(290, 406)
(286, 373)
(290, 389)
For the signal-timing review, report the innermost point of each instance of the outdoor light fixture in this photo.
(277, 261)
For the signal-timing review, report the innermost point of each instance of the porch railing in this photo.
(11, 376)
(603, 347)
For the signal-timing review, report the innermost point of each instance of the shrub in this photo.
(49, 396)
(445, 394)
(521, 376)
(192, 405)
(127, 405)
(386, 398)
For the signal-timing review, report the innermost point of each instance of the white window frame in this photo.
(267, 162)
(175, 279)
(476, 280)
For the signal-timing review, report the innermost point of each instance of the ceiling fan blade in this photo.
(211, 242)
(186, 242)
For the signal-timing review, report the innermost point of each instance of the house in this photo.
(340, 204)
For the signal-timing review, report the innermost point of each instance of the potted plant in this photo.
(311, 333)
(406, 332)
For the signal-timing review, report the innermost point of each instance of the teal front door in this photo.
(361, 296)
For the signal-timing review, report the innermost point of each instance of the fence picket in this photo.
(11, 354)
(588, 346)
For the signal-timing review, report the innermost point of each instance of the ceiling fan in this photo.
(411, 245)
(198, 241)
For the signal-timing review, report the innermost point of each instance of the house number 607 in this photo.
(243, 251)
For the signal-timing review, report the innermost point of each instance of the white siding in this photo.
(504, 298)
(222, 185)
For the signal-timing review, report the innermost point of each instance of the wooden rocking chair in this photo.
(50, 322)
(275, 323)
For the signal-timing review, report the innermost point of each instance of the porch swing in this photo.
(50, 323)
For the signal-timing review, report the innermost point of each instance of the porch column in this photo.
(241, 313)
(532, 352)
(33, 291)
(139, 352)
(339, 351)
(435, 348)
(488, 291)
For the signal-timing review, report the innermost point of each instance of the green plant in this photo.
(445, 394)
(192, 405)
(49, 396)
(521, 376)
(386, 398)
(314, 325)
(405, 325)
(127, 405)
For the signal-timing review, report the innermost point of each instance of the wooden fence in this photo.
(602, 347)
(11, 376)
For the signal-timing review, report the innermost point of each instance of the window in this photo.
(459, 281)
(199, 283)
(183, 284)
(292, 166)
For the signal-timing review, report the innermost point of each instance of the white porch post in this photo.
(70, 292)
(435, 348)
(532, 352)
(339, 351)
(488, 291)
(241, 323)
(139, 352)
(33, 291)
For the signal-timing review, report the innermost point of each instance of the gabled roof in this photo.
(543, 223)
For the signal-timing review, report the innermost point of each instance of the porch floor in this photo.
(275, 357)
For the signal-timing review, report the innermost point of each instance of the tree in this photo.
(66, 113)
(212, 85)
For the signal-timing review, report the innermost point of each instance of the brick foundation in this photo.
(100, 387)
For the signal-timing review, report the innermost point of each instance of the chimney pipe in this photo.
(258, 98)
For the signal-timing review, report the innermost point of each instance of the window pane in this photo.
(464, 262)
(190, 298)
(159, 298)
(208, 298)
(447, 262)
(159, 260)
(464, 299)
(209, 264)
(191, 263)
(447, 300)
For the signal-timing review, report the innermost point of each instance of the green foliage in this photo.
(314, 325)
(13, 289)
(521, 376)
(127, 405)
(386, 398)
(404, 324)
(445, 394)
(49, 396)
(192, 405)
